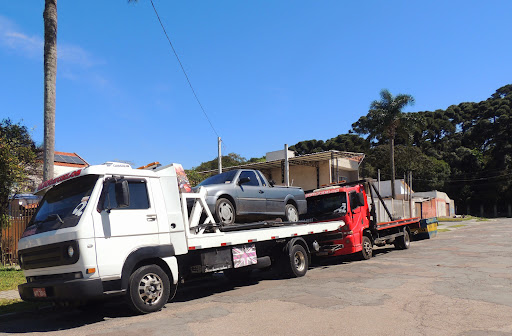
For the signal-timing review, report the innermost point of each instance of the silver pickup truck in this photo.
(247, 193)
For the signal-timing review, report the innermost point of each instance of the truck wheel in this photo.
(225, 211)
(295, 263)
(148, 289)
(291, 213)
(403, 242)
(367, 251)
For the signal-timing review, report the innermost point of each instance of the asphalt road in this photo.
(459, 283)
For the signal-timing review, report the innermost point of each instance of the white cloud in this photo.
(32, 46)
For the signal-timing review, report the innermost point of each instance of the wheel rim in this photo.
(150, 289)
(299, 260)
(291, 214)
(407, 239)
(367, 247)
(225, 212)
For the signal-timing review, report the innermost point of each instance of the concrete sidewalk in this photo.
(10, 295)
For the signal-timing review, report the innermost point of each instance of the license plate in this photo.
(39, 292)
(244, 255)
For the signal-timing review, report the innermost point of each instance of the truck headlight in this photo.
(71, 251)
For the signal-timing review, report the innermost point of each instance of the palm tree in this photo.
(382, 121)
(50, 75)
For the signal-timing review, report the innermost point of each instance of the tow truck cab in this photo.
(348, 203)
(84, 225)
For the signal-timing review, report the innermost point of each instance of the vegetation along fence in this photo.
(18, 220)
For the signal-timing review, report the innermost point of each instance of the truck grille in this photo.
(48, 255)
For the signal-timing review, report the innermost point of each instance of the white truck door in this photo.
(122, 230)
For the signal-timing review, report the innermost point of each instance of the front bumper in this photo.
(62, 290)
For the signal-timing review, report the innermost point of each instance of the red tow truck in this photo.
(349, 202)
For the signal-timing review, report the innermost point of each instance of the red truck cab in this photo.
(361, 232)
(348, 204)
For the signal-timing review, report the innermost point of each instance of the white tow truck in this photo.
(110, 230)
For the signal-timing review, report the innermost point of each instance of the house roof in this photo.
(305, 160)
(69, 160)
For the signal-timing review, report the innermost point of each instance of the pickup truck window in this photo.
(138, 196)
(63, 205)
(251, 175)
(226, 177)
(262, 179)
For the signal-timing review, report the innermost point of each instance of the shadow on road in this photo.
(55, 319)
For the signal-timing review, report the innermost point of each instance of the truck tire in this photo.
(403, 242)
(295, 263)
(291, 213)
(148, 289)
(367, 248)
(225, 211)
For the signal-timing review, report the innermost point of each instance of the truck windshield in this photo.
(62, 206)
(327, 206)
(226, 177)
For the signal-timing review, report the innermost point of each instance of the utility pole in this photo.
(219, 143)
(50, 77)
(378, 203)
(286, 167)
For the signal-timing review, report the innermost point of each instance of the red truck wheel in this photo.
(367, 251)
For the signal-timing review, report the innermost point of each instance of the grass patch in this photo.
(443, 230)
(10, 278)
(456, 219)
(482, 219)
(17, 306)
(457, 226)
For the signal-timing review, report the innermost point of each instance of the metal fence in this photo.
(18, 220)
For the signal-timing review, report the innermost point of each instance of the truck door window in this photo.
(138, 196)
(252, 176)
(354, 200)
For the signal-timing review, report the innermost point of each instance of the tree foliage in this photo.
(230, 160)
(465, 150)
(383, 121)
(17, 158)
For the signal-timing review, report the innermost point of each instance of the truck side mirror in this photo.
(122, 193)
(272, 183)
(244, 180)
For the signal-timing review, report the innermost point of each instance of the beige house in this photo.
(309, 171)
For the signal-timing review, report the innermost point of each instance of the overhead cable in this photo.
(183, 69)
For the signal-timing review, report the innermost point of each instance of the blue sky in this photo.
(266, 72)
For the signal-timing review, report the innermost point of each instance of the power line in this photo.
(469, 180)
(183, 69)
(458, 180)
